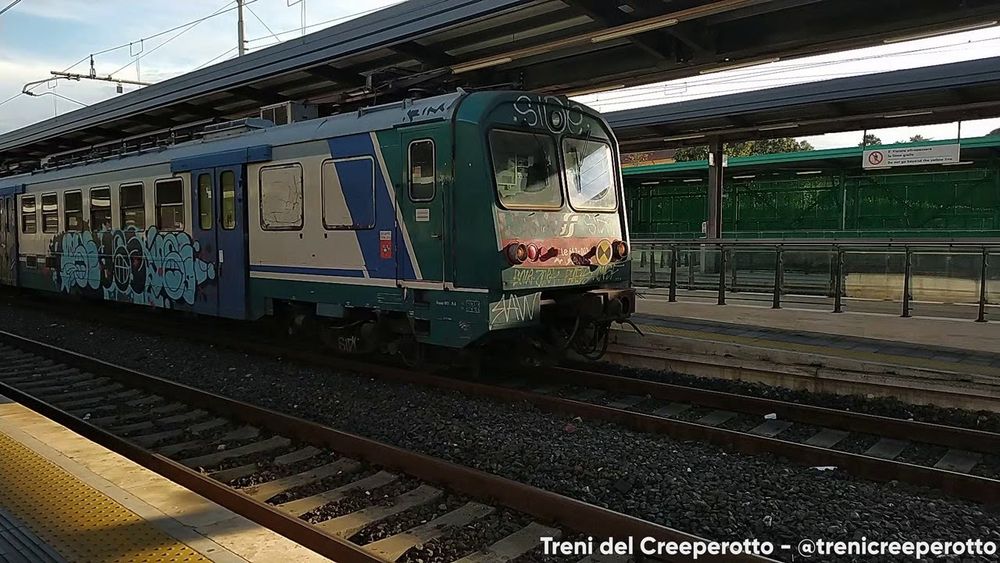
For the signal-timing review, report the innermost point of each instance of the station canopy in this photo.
(550, 46)
(935, 94)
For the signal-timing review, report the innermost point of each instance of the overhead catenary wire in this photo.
(267, 27)
(12, 98)
(322, 23)
(51, 93)
(182, 31)
(215, 58)
(183, 28)
(9, 6)
(158, 34)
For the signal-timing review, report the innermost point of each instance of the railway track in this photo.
(346, 497)
(957, 461)
(804, 434)
(960, 462)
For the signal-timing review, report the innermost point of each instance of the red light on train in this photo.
(516, 253)
(532, 252)
(621, 250)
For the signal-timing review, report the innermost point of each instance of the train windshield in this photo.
(526, 169)
(590, 175)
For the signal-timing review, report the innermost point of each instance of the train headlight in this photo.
(556, 120)
(516, 253)
(621, 250)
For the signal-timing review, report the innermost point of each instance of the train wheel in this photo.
(412, 353)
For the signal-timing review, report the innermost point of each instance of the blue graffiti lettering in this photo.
(151, 268)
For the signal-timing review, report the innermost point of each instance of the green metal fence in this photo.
(943, 202)
(959, 280)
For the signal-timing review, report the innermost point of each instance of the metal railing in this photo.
(950, 276)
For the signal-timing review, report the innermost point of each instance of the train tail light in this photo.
(516, 253)
(621, 250)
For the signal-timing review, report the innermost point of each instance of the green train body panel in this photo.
(474, 228)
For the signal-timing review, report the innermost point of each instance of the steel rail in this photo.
(694, 365)
(546, 505)
(961, 485)
(970, 487)
(292, 528)
(929, 433)
(821, 244)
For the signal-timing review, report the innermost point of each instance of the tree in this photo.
(746, 148)
(918, 138)
(869, 140)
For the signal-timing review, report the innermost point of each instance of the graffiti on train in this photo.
(151, 268)
(514, 310)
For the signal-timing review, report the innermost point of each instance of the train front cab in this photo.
(555, 221)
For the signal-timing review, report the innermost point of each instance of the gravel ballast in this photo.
(698, 488)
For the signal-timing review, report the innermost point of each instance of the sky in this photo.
(38, 36)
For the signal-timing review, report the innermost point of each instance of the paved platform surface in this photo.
(65, 498)
(927, 342)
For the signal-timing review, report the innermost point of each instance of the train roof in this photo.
(260, 133)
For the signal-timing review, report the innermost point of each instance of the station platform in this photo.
(955, 361)
(64, 498)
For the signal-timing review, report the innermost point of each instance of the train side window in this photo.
(132, 200)
(170, 204)
(74, 210)
(227, 185)
(100, 209)
(422, 170)
(206, 212)
(281, 198)
(349, 193)
(50, 213)
(29, 217)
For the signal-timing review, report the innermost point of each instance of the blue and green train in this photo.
(449, 222)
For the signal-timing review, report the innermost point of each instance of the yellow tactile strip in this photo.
(78, 521)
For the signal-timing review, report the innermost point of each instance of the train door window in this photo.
(227, 183)
(206, 213)
(50, 213)
(281, 198)
(74, 210)
(132, 200)
(422, 170)
(29, 217)
(170, 204)
(100, 209)
(349, 193)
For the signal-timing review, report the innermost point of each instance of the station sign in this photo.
(648, 158)
(911, 156)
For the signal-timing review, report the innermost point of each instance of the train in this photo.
(463, 221)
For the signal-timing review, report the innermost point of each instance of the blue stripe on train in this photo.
(357, 193)
(308, 271)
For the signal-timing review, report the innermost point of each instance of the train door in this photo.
(220, 228)
(8, 240)
(422, 201)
